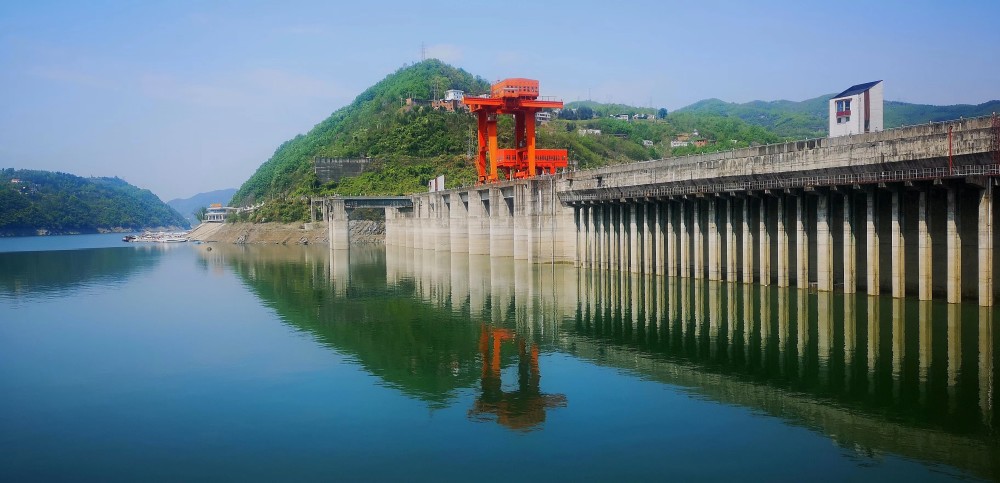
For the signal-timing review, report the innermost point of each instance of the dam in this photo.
(906, 211)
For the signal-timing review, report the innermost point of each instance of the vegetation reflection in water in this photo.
(54, 273)
(391, 330)
(876, 375)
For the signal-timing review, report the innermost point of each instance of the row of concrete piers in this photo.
(931, 239)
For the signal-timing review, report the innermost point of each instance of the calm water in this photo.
(151, 362)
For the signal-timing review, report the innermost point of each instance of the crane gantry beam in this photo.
(517, 97)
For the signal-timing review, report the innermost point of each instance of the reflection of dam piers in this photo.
(906, 211)
(877, 374)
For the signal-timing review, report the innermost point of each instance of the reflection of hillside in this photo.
(875, 375)
(31, 274)
(420, 349)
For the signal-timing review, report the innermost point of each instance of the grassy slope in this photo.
(373, 125)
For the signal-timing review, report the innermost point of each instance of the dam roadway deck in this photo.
(902, 211)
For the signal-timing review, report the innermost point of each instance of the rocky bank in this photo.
(362, 231)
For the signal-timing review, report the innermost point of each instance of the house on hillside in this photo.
(216, 213)
(857, 110)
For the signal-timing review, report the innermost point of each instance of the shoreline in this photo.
(362, 231)
(95, 231)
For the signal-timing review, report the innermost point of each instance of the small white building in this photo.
(679, 144)
(216, 213)
(453, 95)
(647, 143)
(857, 110)
(436, 184)
(543, 117)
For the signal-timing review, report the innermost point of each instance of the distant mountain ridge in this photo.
(44, 202)
(187, 206)
(808, 118)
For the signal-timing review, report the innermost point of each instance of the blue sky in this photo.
(183, 97)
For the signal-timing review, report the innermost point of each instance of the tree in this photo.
(200, 213)
(584, 113)
(662, 113)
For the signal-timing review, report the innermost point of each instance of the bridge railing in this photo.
(354, 202)
(677, 189)
(861, 139)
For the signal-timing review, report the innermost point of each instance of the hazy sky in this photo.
(183, 97)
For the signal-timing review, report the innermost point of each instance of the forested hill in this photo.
(413, 143)
(411, 140)
(37, 202)
(808, 118)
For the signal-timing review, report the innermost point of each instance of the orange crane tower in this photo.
(518, 97)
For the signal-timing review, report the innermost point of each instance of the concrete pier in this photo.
(871, 239)
(924, 250)
(747, 243)
(824, 244)
(781, 257)
(954, 254)
(801, 244)
(849, 244)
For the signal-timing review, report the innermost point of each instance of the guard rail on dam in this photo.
(902, 211)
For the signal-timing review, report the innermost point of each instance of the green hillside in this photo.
(31, 201)
(808, 118)
(905, 114)
(412, 144)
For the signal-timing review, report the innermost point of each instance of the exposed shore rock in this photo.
(362, 231)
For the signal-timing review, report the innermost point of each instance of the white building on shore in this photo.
(216, 213)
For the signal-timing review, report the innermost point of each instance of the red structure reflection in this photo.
(524, 408)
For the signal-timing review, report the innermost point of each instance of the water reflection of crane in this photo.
(524, 408)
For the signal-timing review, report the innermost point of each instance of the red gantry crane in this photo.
(518, 97)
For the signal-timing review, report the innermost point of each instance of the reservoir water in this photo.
(147, 362)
